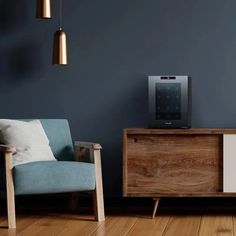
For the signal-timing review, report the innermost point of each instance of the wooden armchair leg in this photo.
(98, 207)
(10, 192)
(98, 192)
(73, 203)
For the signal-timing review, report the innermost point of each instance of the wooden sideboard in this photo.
(179, 163)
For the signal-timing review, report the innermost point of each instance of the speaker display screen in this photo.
(168, 101)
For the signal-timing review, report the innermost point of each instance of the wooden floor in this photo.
(52, 224)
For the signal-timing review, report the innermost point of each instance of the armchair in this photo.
(67, 174)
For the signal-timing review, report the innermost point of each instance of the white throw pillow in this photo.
(29, 138)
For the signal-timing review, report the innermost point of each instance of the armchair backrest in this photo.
(58, 133)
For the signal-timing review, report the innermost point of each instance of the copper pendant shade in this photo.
(43, 9)
(60, 41)
(60, 48)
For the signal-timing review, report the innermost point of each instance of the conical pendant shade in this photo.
(43, 9)
(60, 48)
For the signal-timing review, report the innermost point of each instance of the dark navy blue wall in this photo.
(113, 46)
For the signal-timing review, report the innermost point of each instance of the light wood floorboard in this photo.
(217, 225)
(150, 227)
(184, 225)
(85, 227)
(129, 224)
(46, 226)
(23, 222)
(116, 226)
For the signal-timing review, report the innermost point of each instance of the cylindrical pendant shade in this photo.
(60, 48)
(43, 9)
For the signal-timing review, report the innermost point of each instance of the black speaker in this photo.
(169, 101)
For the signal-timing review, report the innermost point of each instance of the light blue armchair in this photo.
(68, 174)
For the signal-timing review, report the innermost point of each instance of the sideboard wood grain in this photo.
(170, 163)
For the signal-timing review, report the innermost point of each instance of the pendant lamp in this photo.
(60, 43)
(43, 10)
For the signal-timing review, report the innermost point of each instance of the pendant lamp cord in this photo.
(60, 14)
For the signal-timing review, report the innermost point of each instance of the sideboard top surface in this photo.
(180, 131)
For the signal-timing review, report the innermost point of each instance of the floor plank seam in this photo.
(29, 226)
(64, 229)
(199, 227)
(167, 225)
(92, 233)
(129, 231)
(233, 224)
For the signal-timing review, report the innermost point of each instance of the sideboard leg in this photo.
(156, 202)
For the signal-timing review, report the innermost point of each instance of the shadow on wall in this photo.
(22, 58)
(13, 14)
(25, 60)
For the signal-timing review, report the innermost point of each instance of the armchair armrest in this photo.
(88, 145)
(7, 148)
(81, 147)
(8, 151)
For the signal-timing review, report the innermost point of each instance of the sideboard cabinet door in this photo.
(165, 164)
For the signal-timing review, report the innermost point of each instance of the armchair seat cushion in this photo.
(53, 177)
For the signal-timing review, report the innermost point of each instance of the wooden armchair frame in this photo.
(95, 157)
(8, 151)
(80, 147)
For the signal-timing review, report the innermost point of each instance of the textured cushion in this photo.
(53, 177)
(29, 139)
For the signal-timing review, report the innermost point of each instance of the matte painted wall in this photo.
(114, 45)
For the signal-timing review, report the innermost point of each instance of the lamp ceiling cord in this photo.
(60, 14)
